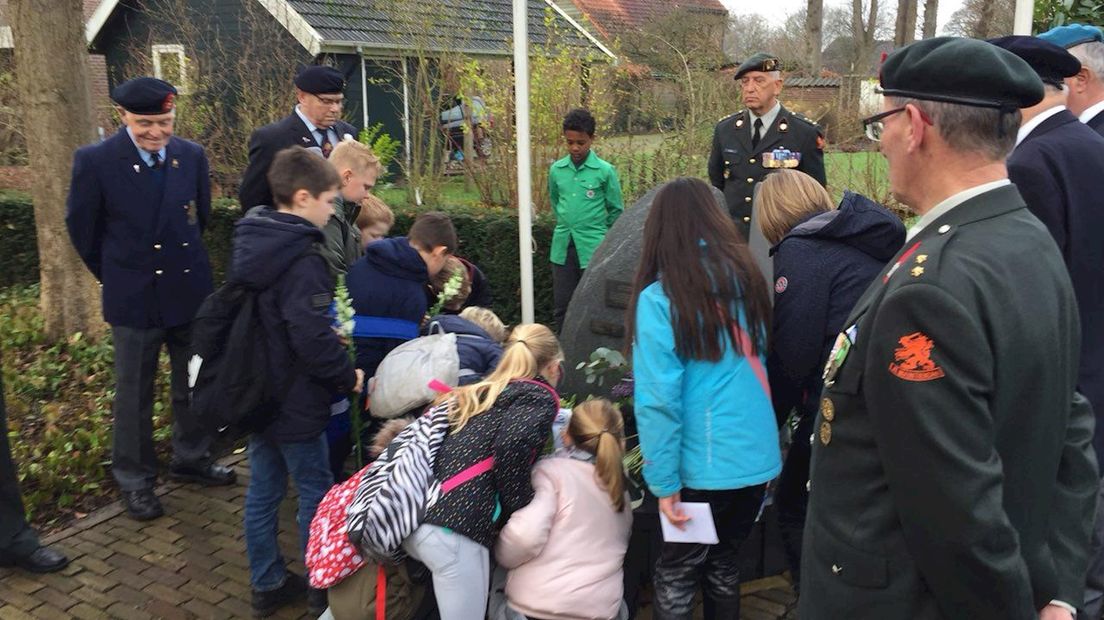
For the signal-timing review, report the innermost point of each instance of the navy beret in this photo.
(1073, 34)
(759, 62)
(145, 95)
(963, 71)
(1051, 62)
(320, 80)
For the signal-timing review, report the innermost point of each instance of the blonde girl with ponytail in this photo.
(564, 551)
(498, 427)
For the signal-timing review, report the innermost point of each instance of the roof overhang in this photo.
(310, 38)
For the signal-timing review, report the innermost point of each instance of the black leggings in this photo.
(682, 567)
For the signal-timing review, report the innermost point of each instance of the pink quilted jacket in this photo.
(565, 549)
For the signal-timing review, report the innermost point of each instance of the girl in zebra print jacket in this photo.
(503, 421)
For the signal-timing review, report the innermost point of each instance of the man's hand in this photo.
(359, 381)
(669, 506)
(1055, 612)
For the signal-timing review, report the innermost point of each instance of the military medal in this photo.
(137, 168)
(781, 158)
(175, 163)
(827, 409)
(839, 353)
(825, 433)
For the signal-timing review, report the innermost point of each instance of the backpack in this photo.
(400, 486)
(404, 378)
(231, 391)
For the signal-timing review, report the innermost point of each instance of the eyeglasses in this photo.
(874, 126)
(331, 101)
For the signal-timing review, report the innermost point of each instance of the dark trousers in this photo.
(17, 539)
(1093, 605)
(682, 567)
(133, 460)
(565, 278)
(791, 497)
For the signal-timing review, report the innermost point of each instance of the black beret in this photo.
(963, 71)
(759, 62)
(320, 80)
(145, 95)
(1051, 62)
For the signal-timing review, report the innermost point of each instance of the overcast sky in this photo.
(777, 10)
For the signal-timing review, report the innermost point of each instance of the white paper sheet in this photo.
(699, 529)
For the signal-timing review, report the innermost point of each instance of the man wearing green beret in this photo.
(763, 137)
(952, 472)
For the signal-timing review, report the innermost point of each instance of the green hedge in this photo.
(488, 238)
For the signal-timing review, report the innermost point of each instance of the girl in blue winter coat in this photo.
(699, 321)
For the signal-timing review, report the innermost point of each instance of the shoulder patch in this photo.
(912, 360)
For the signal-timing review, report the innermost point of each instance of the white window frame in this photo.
(182, 61)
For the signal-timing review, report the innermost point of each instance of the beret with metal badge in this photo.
(759, 62)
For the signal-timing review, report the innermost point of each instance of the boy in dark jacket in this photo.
(274, 252)
(387, 287)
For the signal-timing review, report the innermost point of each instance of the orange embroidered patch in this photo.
(912, 360)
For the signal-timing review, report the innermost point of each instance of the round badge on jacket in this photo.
(780, 284)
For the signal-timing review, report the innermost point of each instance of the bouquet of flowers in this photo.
(344, 307)
(448, 291)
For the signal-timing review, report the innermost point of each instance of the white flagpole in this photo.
(1025, 10)
(525, 189)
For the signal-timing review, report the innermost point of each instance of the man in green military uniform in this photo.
(763, 137)
(952, 471)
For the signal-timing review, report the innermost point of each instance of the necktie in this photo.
(756, 135)
(155, 157)
(325, 143)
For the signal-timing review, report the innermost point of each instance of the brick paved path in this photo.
(191, 563)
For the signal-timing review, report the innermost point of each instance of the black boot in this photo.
(268, 602)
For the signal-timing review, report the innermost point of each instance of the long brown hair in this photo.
(708, 273)
(596, 426)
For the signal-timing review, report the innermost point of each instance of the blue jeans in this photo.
(270, 463)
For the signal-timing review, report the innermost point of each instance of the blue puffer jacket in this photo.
(272, 253)
(821, 268)
(478, 353)
(703, 425)
(388, 281)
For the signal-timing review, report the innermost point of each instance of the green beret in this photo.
(963, 71)
(759, 62)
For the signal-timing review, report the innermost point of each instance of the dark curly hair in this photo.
(580, 119)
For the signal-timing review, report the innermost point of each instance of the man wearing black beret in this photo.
(315, 123)
(138, 204)
(952, 473)
(763, 137)
(1058, 166)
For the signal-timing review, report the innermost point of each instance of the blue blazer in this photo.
(1059, 170)
(141, 239)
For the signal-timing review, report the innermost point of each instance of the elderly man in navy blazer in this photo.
(1058, 166)
(314, 124)
(137, 207)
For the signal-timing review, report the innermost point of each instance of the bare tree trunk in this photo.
(51, 65)
(985, 19)
(863, 34)
(905, 31)
(814, 31)
(931, 10)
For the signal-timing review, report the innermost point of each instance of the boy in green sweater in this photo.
(586, 197)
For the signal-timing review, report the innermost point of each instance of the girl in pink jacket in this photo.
(565, 549)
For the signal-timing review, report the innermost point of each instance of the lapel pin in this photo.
(136, 168)
(306, 140)
(783, 126)
(175, 163)
(739, 122)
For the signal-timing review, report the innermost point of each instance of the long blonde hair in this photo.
(529, 348)
(596, 426)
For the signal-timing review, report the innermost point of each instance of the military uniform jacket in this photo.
(1059, 170)
(142, 240)
(264, 143)
(952, 473)
(735, 168)
(1097, 123)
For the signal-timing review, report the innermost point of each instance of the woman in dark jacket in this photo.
(498, 427)
(824, 258)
